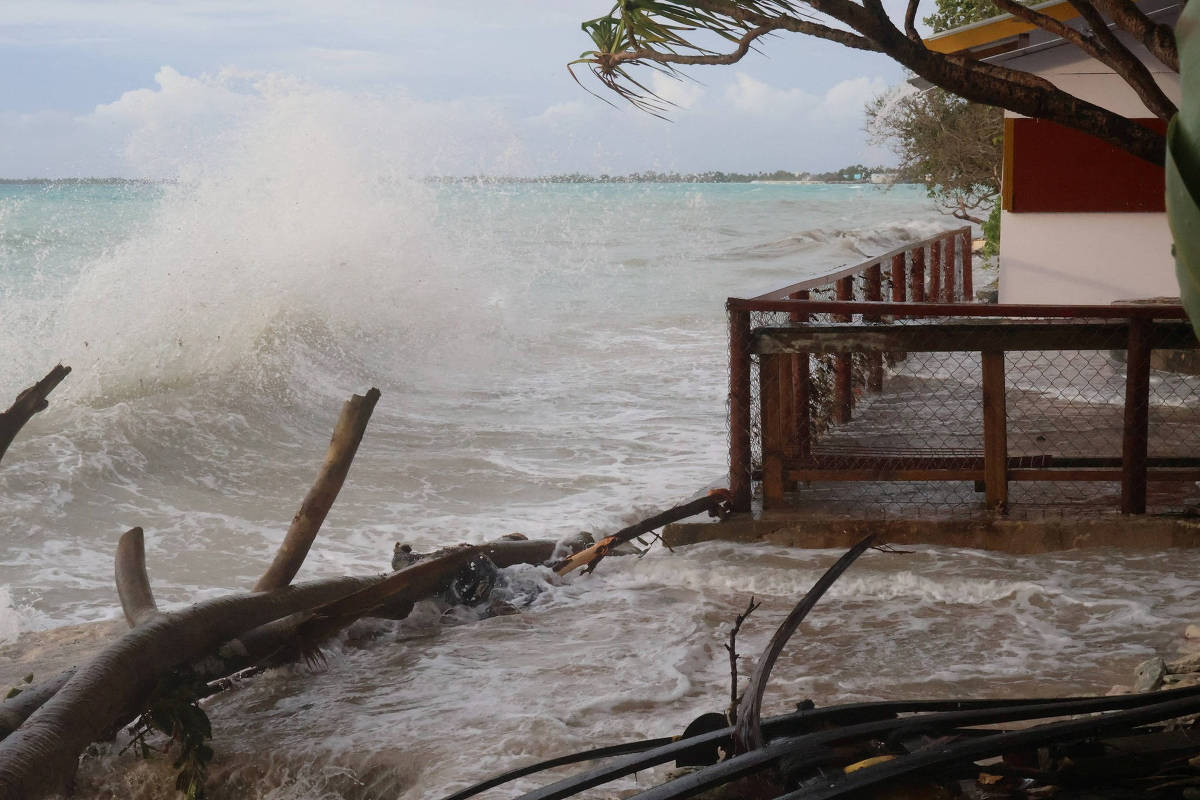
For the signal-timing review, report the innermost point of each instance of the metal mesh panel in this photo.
(914, 440)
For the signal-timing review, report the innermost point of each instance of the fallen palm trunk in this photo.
(28, 402)
(295, 635)
(39, 757)
(17, 709)
(715, 503)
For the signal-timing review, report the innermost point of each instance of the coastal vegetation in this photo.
(950, 145)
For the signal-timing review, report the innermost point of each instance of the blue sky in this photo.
(122, 88)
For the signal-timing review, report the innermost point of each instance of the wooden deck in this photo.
(1075, 419)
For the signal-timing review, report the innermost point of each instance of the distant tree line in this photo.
(855, 173)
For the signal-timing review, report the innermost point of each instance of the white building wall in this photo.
(1085, 258)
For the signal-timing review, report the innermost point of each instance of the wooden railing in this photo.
(949, 280)
(937, 269)
(783, 352)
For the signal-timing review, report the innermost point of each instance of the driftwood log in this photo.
(28, 403)
(347, 434)
(716, 503)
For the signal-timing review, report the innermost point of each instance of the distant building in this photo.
(1082, 222)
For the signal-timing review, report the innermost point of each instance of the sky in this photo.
(136, 88)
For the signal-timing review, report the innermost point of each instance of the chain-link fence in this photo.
(910, 408)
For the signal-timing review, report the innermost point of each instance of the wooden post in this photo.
(898, 278)
(949, 267)
(843, 364)
(787, 401)
(917, 276)
(1135, 440)
(935, 271)
(874, 293)
(968, 266)
(801, 379)
(772, 430)
(739, 409)
(845, 292)
(899, 289)
(995, 432)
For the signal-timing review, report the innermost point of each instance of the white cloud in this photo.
(681, 93)
(569, 111)
(841, 101)
(848, 98)
(472, 86)
(752, 96)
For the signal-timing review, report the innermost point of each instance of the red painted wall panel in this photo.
(1053, 168)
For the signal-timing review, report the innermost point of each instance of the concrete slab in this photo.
(1020, 536)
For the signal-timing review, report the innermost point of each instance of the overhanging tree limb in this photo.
(654, 35)
(1103, 46)
(910, 20)
(1159, 39)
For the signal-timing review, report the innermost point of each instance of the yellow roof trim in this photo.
(995, 29)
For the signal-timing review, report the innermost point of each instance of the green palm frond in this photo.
(663, 26)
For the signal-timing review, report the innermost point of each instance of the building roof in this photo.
(995, 29)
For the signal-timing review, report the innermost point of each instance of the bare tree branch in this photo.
(1159, 39)
(1126, 64)
(910, 20)
(348, 432)
(28, 403)
(751, 607)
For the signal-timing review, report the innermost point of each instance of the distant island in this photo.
(855, 173)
